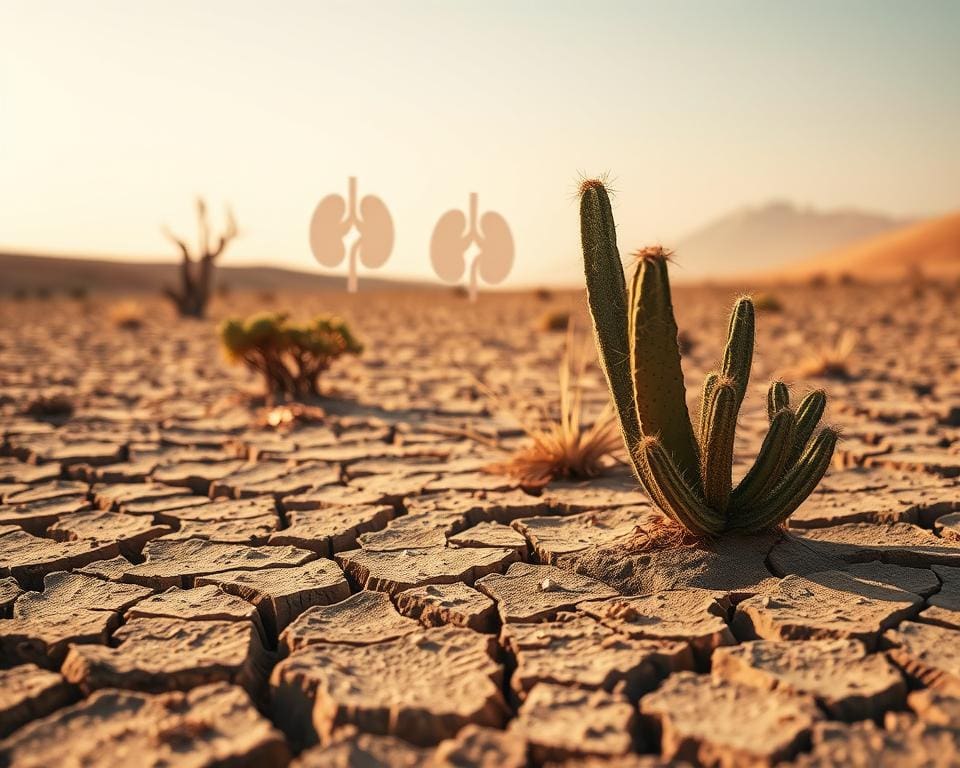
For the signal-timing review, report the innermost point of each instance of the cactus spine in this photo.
(687, 474)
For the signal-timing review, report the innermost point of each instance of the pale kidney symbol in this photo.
(454, 234)
(334, 218)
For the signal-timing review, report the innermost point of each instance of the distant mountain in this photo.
(773, 235)
(931, 248)
(55, 274)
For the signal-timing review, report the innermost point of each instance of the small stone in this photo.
(520, 593)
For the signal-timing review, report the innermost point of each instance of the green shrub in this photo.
(290, 356)
(553, 321)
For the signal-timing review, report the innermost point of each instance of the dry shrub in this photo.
(127, 315)
(830, 362)
(767, 302)
(49, 406)
(290, 356)
(553, 321)
(543, 294)
(566, 448)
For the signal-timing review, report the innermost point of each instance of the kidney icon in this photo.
(454, 233)
(334, 218)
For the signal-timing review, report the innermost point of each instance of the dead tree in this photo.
(196, 273)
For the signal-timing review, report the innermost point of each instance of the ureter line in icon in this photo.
(352, 222)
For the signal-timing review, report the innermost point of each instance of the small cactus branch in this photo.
(709, 382)
(673, 493)
(795, 487)
(771, 460)
(659, 390)
(809, 413)
(778, 398)
(738, 354)
(717, 448)
(607, 299)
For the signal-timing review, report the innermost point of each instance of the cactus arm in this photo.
(778, 398)
(809, 413)
(673, 494)
(717, 455)
(655, 358)
(709, 382)
(798, 483)
(738, 354)
(607, 300)
(771, 460)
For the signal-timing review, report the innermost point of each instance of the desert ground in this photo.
(182, 583)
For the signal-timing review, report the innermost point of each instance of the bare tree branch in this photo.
(195, 293)
(178, 242)
(228, 234)
(203, 227)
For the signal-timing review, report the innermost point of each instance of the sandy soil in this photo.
(180, 585)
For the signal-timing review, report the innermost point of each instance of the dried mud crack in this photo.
(180, 585)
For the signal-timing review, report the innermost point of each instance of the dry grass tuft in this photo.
(127, 315)
(831, 362)
(50, 406)
(566, 448)
(767, 302)
(666, 535)
(553, 321)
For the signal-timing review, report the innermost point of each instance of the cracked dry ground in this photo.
(179, 586)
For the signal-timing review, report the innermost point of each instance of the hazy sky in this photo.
(114, 115)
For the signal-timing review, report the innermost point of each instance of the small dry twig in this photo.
(566, 448)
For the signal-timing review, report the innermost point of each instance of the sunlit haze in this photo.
(115, 115)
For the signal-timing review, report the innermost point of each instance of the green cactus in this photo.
(290, 356)
(688, 474)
